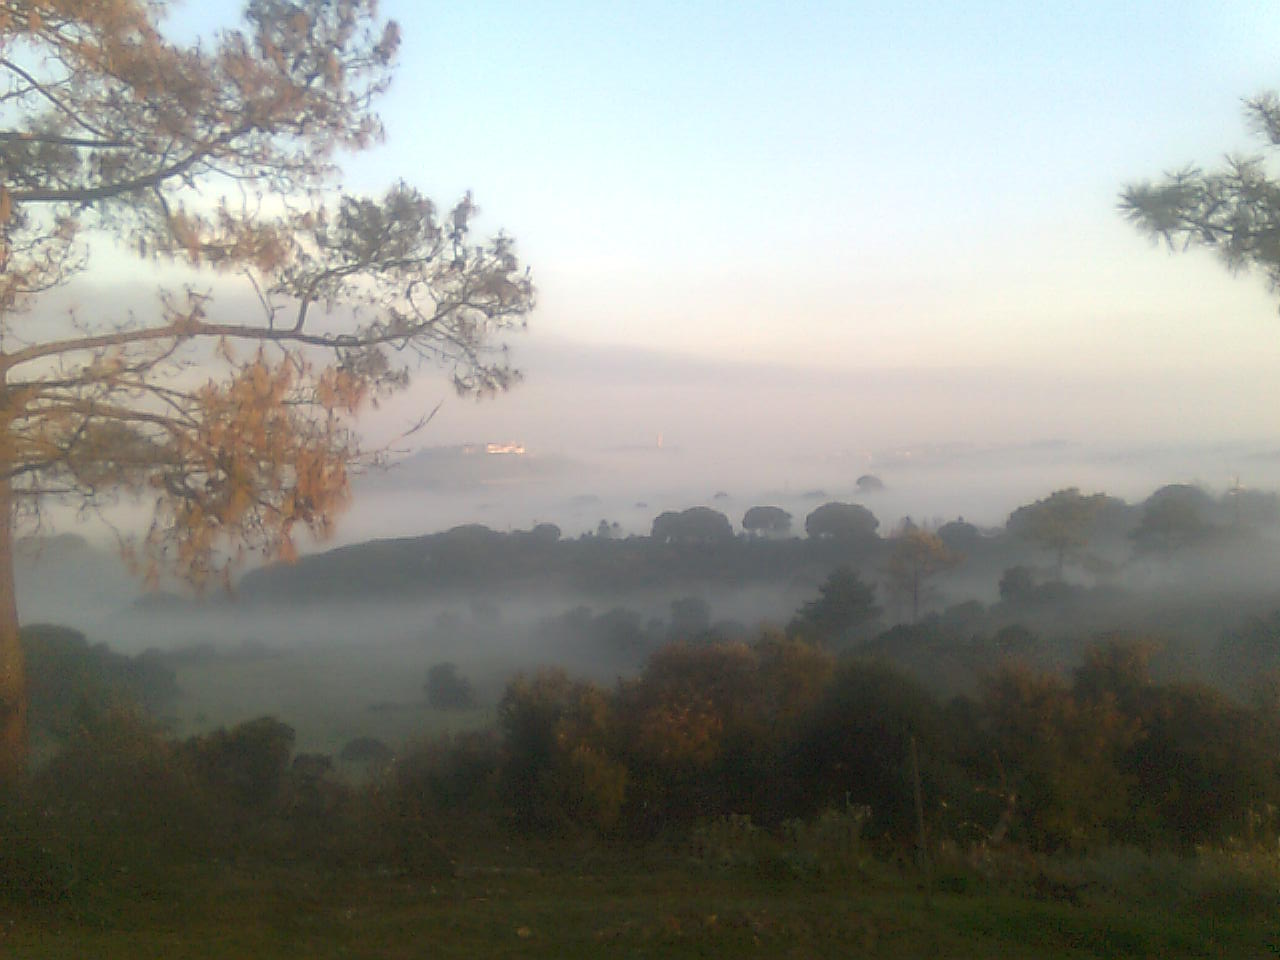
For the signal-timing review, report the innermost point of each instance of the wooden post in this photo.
(922, 852)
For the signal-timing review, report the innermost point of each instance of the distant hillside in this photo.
(475, 558)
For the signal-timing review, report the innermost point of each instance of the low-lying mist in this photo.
(340, 644)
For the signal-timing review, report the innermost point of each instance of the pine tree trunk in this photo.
(13, 678)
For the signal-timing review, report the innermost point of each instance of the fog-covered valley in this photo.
(555, 562)
(650, 480)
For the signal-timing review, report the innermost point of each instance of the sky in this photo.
(844, 184)
(848, 224)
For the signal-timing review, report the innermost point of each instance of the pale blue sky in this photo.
(847, 185)
(856, 183)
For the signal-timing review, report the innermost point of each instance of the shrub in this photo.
(561, 769)
(242, 767)
(679, 709)
(1203, 770)
(1063, 755)
(447, 690)
(854, 746)
(435, 779)
(114, 807)
(829, 844)
(704, 728)
(69, 679)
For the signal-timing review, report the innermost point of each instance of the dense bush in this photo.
(856, 745)
(243, 767)
(69, 679)
(775, 730)
(706, 728)
(560, 769)
(1063, 755)
(112, 808)
(1203, 771)
(758, 743)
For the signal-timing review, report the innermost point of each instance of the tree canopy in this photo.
(694, 525)
(1061, 522)
(844, 604)
(219, 160)
(916, 557)
(767, 521)
(841, 521)
(1175, 516)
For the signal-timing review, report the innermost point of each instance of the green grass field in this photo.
(625, 907)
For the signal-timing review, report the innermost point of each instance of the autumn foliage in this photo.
(778, 729)
(215, 161)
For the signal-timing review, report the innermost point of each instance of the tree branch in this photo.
(48, 95)
(108, 190)
(22, 136)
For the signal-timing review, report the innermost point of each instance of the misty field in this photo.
(330, 697)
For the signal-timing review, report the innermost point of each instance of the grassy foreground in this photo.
(622, 907)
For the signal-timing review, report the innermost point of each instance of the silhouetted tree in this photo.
(959, 536)
(545, 533)
(855, 743)
(71, 681)
(1017, 585)
(244, 764)
(841, 521)
(767, 521)
(1062, 522)
(843, 605)
(1245, 509)
(915, 558)
(1174, 517)
(869, 483)
(695, 525)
